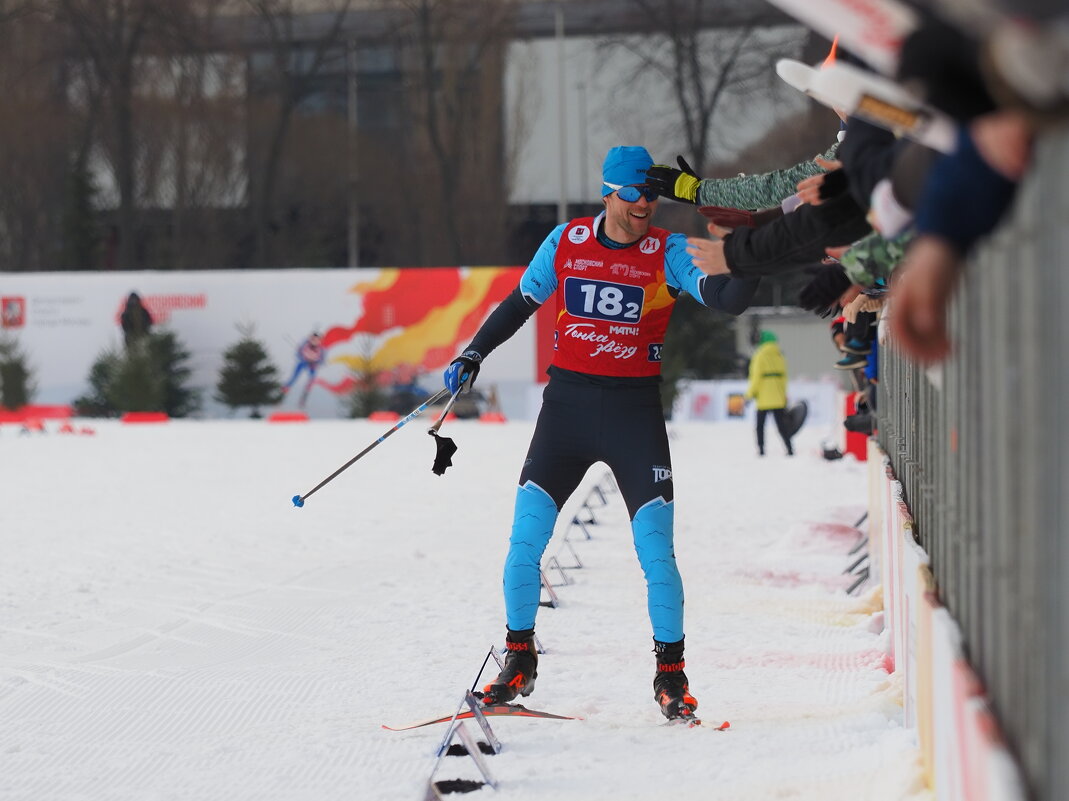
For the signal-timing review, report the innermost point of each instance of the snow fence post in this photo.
(471, 748)
(468, 746)
(578, 563)
(554, 564)
(582, 527)
(484, 722)
(553, 601)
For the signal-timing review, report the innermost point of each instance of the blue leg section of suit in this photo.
(300, 367)
(652, 530)
(532, 527)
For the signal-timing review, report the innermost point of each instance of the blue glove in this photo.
(462, 370)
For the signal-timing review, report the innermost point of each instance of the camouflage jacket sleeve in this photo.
(762, 191)
(874, 257)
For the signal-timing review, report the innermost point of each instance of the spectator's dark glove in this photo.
(681, 184)
(823, 290)
(462, 370)
(834, 183)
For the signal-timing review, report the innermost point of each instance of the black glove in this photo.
(681, 184)
(821, 293)
(834, 183)
(462, 370)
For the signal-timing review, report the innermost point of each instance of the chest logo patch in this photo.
(579, 235)
(650, 244)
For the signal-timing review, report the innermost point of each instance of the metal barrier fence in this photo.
(980, 447)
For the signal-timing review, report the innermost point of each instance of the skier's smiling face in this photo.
(627, 222)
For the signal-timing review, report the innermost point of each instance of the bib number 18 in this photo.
(603, 300)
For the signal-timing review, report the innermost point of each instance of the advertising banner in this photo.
(404, 324)
(723, 399)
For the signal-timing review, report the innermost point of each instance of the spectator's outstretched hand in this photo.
(708, 254)
(922, 289)
(815, 189)
(826, 285)
(681, 184)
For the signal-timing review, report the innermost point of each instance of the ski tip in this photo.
(713, 726)
(298, 501)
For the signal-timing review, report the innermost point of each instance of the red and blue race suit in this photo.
(602, 402)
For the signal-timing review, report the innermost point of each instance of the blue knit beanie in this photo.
(624, 166)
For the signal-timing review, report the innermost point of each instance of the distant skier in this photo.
(309, 357)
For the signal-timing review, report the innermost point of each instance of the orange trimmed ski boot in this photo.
(518, 675)
(670, 686)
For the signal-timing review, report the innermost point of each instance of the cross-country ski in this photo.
(490, 711)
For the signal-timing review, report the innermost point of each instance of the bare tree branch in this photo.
(293, 79)
(703, 68)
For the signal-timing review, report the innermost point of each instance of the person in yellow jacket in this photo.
(768, 388)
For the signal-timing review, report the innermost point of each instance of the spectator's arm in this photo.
(759, 191)
(722, 292)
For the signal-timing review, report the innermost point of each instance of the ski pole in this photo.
(441, 418)
(298, 500)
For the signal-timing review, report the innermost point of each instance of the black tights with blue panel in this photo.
(582, 423)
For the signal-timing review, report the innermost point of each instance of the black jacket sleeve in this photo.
(795, 240)
(728, 293)
(503, 322)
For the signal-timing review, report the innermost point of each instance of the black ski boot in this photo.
(518, 675)
(670, 686)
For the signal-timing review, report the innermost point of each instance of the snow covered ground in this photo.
(172, 628)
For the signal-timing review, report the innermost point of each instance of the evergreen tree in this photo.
(170, 357)
(16, 386)
(97, 402)
(149, 376)
(248, 378)
(368, 395)
(137, 383)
